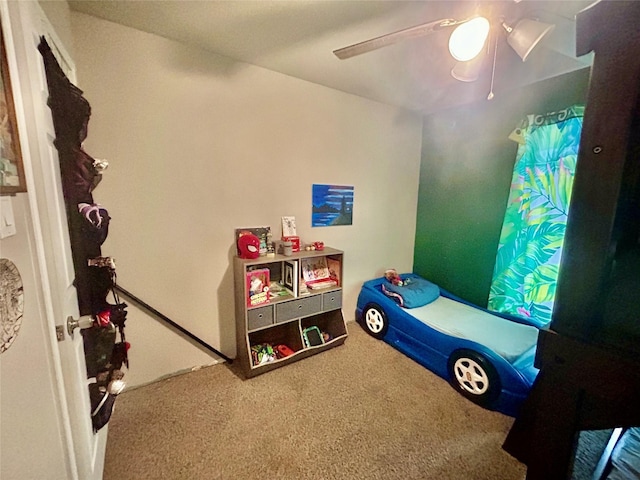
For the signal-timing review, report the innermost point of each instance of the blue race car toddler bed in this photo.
(487, 356)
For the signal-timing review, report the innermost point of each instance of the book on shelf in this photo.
(257, 287)
(315, 273)
(333, 265)
(302, 288)
(290, 276)
(318, 284)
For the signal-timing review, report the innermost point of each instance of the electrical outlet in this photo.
(7, 220)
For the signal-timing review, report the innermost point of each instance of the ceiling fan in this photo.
(466, 43)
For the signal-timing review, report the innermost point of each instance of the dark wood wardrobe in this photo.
(589, 357)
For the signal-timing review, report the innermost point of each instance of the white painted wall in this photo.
(59, 15)
(29, 409)
(199, 145)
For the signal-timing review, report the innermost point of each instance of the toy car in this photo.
(487, 356)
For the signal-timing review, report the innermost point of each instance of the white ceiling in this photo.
(297, 37)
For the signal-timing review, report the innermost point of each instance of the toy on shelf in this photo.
(283, 351)
(312, 336)
(248, 246)
(262, 353)
(258, 287)
(319, 246)
(271, 248)
(262, 233)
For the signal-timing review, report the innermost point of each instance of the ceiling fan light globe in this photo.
(468, 39)
(468, 71)
(462, 74)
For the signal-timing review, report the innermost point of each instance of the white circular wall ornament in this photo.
(11, 303)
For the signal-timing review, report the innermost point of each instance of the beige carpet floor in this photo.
(358, 411)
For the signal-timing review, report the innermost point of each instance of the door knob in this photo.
(85, 321)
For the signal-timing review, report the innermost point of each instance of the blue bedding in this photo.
(508, 339)
(415, 292)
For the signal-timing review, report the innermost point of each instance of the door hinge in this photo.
(60, 332)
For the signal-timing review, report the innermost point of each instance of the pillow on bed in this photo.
(416, 293)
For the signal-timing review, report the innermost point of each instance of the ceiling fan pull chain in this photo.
(493, 71)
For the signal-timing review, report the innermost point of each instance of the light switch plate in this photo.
(7, 220)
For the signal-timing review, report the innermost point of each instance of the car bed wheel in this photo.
(474, 376)
(374, 321)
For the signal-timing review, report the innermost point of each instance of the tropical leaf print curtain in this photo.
(530, 248)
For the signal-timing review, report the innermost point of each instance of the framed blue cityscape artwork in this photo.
(332, 205)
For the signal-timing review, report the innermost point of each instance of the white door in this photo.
(23, 24)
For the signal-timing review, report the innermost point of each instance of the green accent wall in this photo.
(465, 175)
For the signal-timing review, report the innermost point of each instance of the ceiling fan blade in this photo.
(391, 38)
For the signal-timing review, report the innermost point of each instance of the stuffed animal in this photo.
(392, 276)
